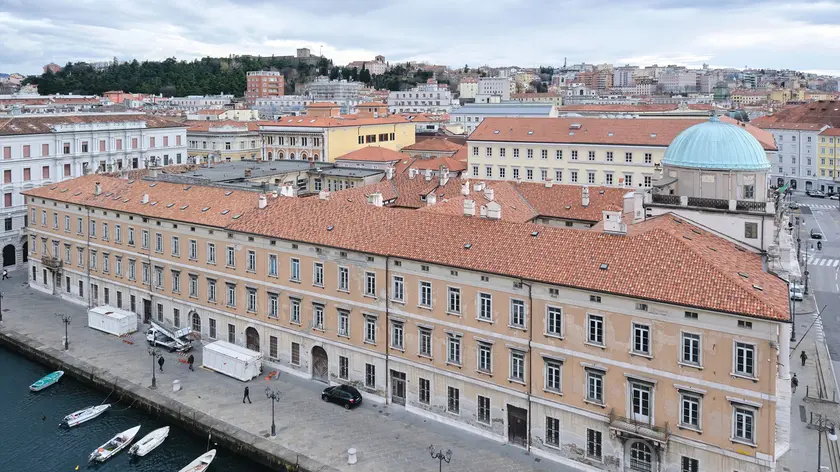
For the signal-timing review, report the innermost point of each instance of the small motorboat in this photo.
(46, 381)
(201, 463)
(115, 445)
(89, 413)
(149, 442)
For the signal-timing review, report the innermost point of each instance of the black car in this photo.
(816, 234)
(344, 395)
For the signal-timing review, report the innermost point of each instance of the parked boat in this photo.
(89, 413)
(115, 445)
(149, 442)
(46, 381)
(201, 463)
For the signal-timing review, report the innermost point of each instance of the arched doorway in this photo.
(25, 251)
(196, 322)
(269, 155)
(317, 158)
(9, 255)
(279, 155)
(291, 155)
(303, 156)
(252, 339)
(641, 457)
(320, 364)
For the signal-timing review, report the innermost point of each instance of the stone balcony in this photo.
(749, 206)
(628, 427)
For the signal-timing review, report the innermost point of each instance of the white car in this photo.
(834, 197)
(795, 293)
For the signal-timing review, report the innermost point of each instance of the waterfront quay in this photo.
(314, 434)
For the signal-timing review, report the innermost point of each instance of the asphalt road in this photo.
(823, 265)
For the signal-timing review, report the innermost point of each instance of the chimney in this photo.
(494, 211)
(153, 171)
(489, 193)
(465, 189)
(389, 173)
(324, 195)
(145, 198)
(428, 174)
(431, 199)
(274, 194)
(247, 173)
(469, 207)
(444, 175)
(287, 191)
(97, 189)
(613, 223)
(479, 186)
(549, 183)
(585, 199)
(375, 199)
(412, 173)
(263, 201)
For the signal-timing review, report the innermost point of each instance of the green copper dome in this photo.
(715, 145)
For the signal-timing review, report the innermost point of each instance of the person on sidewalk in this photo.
(190, 361)
(804, 357)
(160, 363)
(794, 382)
(5, 274)
(247, 396)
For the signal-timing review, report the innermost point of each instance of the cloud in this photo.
(803, 35)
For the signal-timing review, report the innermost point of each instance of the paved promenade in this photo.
(388, 439)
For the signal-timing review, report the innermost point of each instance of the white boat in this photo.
(87, 414)
(115, 445)
(149, 442)
(201, 463)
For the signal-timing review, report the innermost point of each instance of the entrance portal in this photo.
(517, 426)
(252, 339)
(320, 364)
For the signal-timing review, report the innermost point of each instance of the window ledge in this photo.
(485, 320)
(342, 290)
(641, 354)
(372, 343)
(520, 328)
(516, 381)
(553, 392)
(319, 328)
(294, 281)
(344, 336)
(554, 336)
(452, 313)
(367, 295)
(273, 276)
(743, 441)
(693, 366)
(744, 376)
(425, 356)
(485, 372)
(318, 285)
(401, 349)
(250, 271)
(425, 307)
(401, 302)
(456, 364)
(690, 428)
(594, 402)
(296, 323)
(599, 346)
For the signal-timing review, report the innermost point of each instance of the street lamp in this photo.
(154, 353)
(1, 306)
(274, 396)
(823, 425)
(66, 320)
(440, 456)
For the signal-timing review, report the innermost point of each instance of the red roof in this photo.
(372, 154)
(434, 144)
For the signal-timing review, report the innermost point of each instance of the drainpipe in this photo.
(530, 357)
(387, 328)
(87, 256)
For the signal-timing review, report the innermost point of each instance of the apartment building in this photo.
(498, 88)
(324, 138)
(199, 102)
(43, 150)
(223, 141)
(470, 116)
(829, 156)
(584, 151)
(430, 97)
(264, 84)
(671, 359)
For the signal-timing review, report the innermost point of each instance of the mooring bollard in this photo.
(351, 456)
(176, 385)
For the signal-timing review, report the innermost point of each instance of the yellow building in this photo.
(829, 159)
(322, 139)
(223, 141)
(786, 95)
(749, 97)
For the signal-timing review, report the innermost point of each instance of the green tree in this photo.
(364, 76)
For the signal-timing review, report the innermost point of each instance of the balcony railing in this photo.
(712, 203)
(666, 199)
(645, 430)
(745, 205)
(717, 203)
(52, 263)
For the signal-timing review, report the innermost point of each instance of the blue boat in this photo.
(46, 381)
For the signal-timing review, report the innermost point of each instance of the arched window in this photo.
(303, 156)
(641, 457)
(292, 155)
(317, 158)
(280, 155)
(269, 155)
(196, 322)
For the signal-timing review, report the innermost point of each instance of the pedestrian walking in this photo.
(5, 274)
(247, 396)
(804, 357)
(160, 363)
(190, 361)
(794, 382)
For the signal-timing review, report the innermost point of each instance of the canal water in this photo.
(32, 441)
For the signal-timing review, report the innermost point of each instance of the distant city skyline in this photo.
(800, 35)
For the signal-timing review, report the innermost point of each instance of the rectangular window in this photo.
(230, 257)
(370, 376)
(211, 253)
(424, 392)
(424, 347)
(272, 265)
(453, 400)
(272, 347)
(544, 154)
(558, 154)
(176, 281)
(641, 339)
(145, 239)
(593, 444)
(211, 290)
(483, 409)
(485, 306)
(318, 316)
(370, 329)
(397, 335)
(516, 153)
(251, 261)
(176, 246)
(454, 297)
(591, 155)
(193, 285)
(595, 333)
(273, 305)
(252, 300)
(751, 230)
(574, 155)
(574, 176)
(609, 156)
(553, 375)
(295, 269)
(131, 270)
(343, 368)
(743, 424)
(158, 242)
(517, 313)
(370, 284)
(552, 431)
(397, 288)
(628, 157)
(690, 411)
(343, 323)
(517, 365)
(628, 180)
(318, 274)
(425, 296)
(230, 297)
(344, 279)
(294, 310)
(295, 354)
(529, 154)
(485, 357)
(453, 349)
(689, 464)
(691, 348)
(745, 359)
(595, 386)
(502, 171)
(488, 171)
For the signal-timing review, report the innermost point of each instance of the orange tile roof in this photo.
(213, 112)
(821, 112)
(641, 132)
(566, 201)
(434, 144)
(333, 122)
(514, 208)
(672, 260)
(831, 132)
(434, 164)
(461, 155)
(322, 105)
(204, 125)
(372, 104)
(372, 154)
(515, 96)
(43, 124)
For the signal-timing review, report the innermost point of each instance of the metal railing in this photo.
(52, 263)
(666, 199)
(745, 205)
(716, 203)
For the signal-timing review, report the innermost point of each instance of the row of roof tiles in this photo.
(672, 261)
(16, 125)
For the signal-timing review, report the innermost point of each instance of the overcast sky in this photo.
(803, 35)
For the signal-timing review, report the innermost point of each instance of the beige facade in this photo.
(567, 373)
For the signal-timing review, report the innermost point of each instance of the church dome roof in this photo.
(715, 145)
